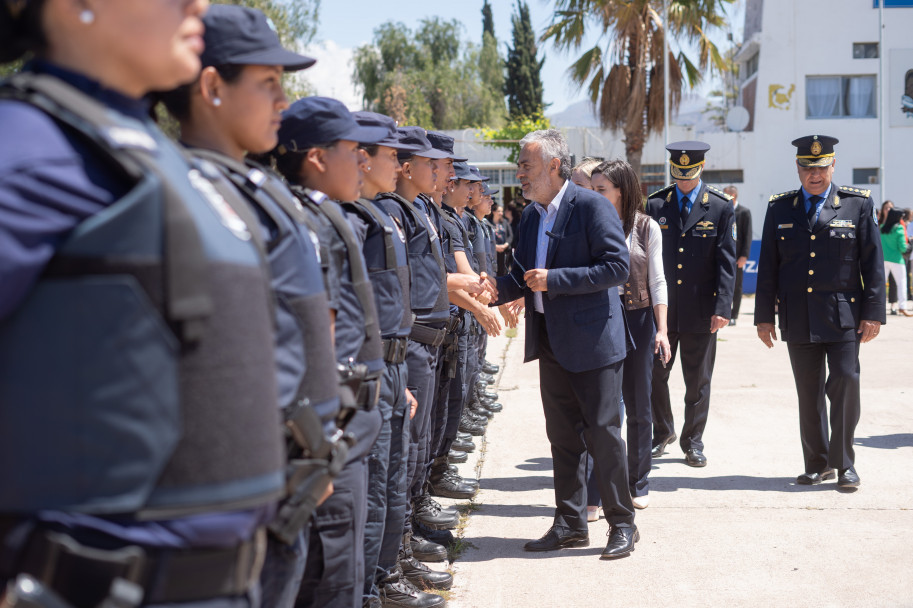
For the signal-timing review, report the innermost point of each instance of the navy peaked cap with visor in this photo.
(392, 139)
(320, 121)
(237, 35)
(417, 136)
(444, 143)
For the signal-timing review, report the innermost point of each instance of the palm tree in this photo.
(623, 72)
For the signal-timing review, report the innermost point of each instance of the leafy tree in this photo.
(509, 136)
(428, 77)
(623, 71)
(524, 83)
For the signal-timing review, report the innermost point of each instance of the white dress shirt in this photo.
(547, 216)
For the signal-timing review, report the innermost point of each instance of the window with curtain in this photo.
(840, 96)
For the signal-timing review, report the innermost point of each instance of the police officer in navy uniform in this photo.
(318, 152)
(821, 270)
(140, 453)
(241, 49)
(699, 241)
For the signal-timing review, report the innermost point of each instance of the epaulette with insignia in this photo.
(661, 193)
(777, 197)
(855, 191)
(720, 193)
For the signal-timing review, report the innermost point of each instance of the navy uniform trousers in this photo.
(591, 400)
(421, 360)
(810, 363)
(387, 462)
(335, 572)
(698, 354)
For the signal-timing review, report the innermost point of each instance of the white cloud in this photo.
(331, 76)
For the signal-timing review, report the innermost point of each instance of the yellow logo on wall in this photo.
(778, 97)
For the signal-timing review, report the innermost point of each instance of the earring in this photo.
(87, 17)
(216, 101)
(409, 176)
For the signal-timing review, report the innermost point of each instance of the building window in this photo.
(865, 50)
(864, 177)
(751, 66)
(840, 96)
(723, 176)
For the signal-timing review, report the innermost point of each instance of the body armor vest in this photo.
(388, 268)
(137, 376)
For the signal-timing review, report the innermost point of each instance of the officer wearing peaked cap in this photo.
(696, 222)
(821, 270)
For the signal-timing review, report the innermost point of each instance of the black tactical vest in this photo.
(137, 378)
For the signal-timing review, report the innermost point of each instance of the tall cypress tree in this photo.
(491, 70)
(524, 83)
(488, 22)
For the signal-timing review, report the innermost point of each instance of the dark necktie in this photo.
(686, 209)
(812, 210)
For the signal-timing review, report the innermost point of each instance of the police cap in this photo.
(462, 171)
(815, 150)
(238, 35)
(477, 175)
(444, 143)
(318, 121)
(391, 140)
(686, 159)
(417, 136)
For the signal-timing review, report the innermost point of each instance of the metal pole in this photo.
(666, 88)
(882, 180)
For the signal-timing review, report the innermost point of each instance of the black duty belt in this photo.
(79, 573)
(395, 350)
(428, 335)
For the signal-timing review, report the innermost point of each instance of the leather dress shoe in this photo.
(403, 594)
(558, 538)
(490, 368)
(424, 577)
(660, 448)
(426, 551)
(621, 542)
(433, 517)
(462, 445)
(848, 478)
(813, 479)
(457, 456)
(451, 485)
(695, 458)
(468, 426)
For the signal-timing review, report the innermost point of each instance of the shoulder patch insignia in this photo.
(719, 193)
(855, 191)
(661, 192)
(777, 197)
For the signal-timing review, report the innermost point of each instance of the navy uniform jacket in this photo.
(825, 279)
(698, 258)
(587, 259)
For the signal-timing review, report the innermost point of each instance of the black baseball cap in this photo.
(444, 143)
(317, 121)
(477, 175)
(417, 136)
(238, 35)
(392, 139)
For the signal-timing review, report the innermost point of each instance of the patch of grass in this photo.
(511, 332)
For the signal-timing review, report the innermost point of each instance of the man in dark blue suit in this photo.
(570, 257)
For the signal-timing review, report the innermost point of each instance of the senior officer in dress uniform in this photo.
(699, 240)
(821, 262)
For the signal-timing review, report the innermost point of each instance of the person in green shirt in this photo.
(894, 246)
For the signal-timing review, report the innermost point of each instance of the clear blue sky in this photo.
(350, 24)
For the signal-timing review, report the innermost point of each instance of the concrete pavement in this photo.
(739, 532)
